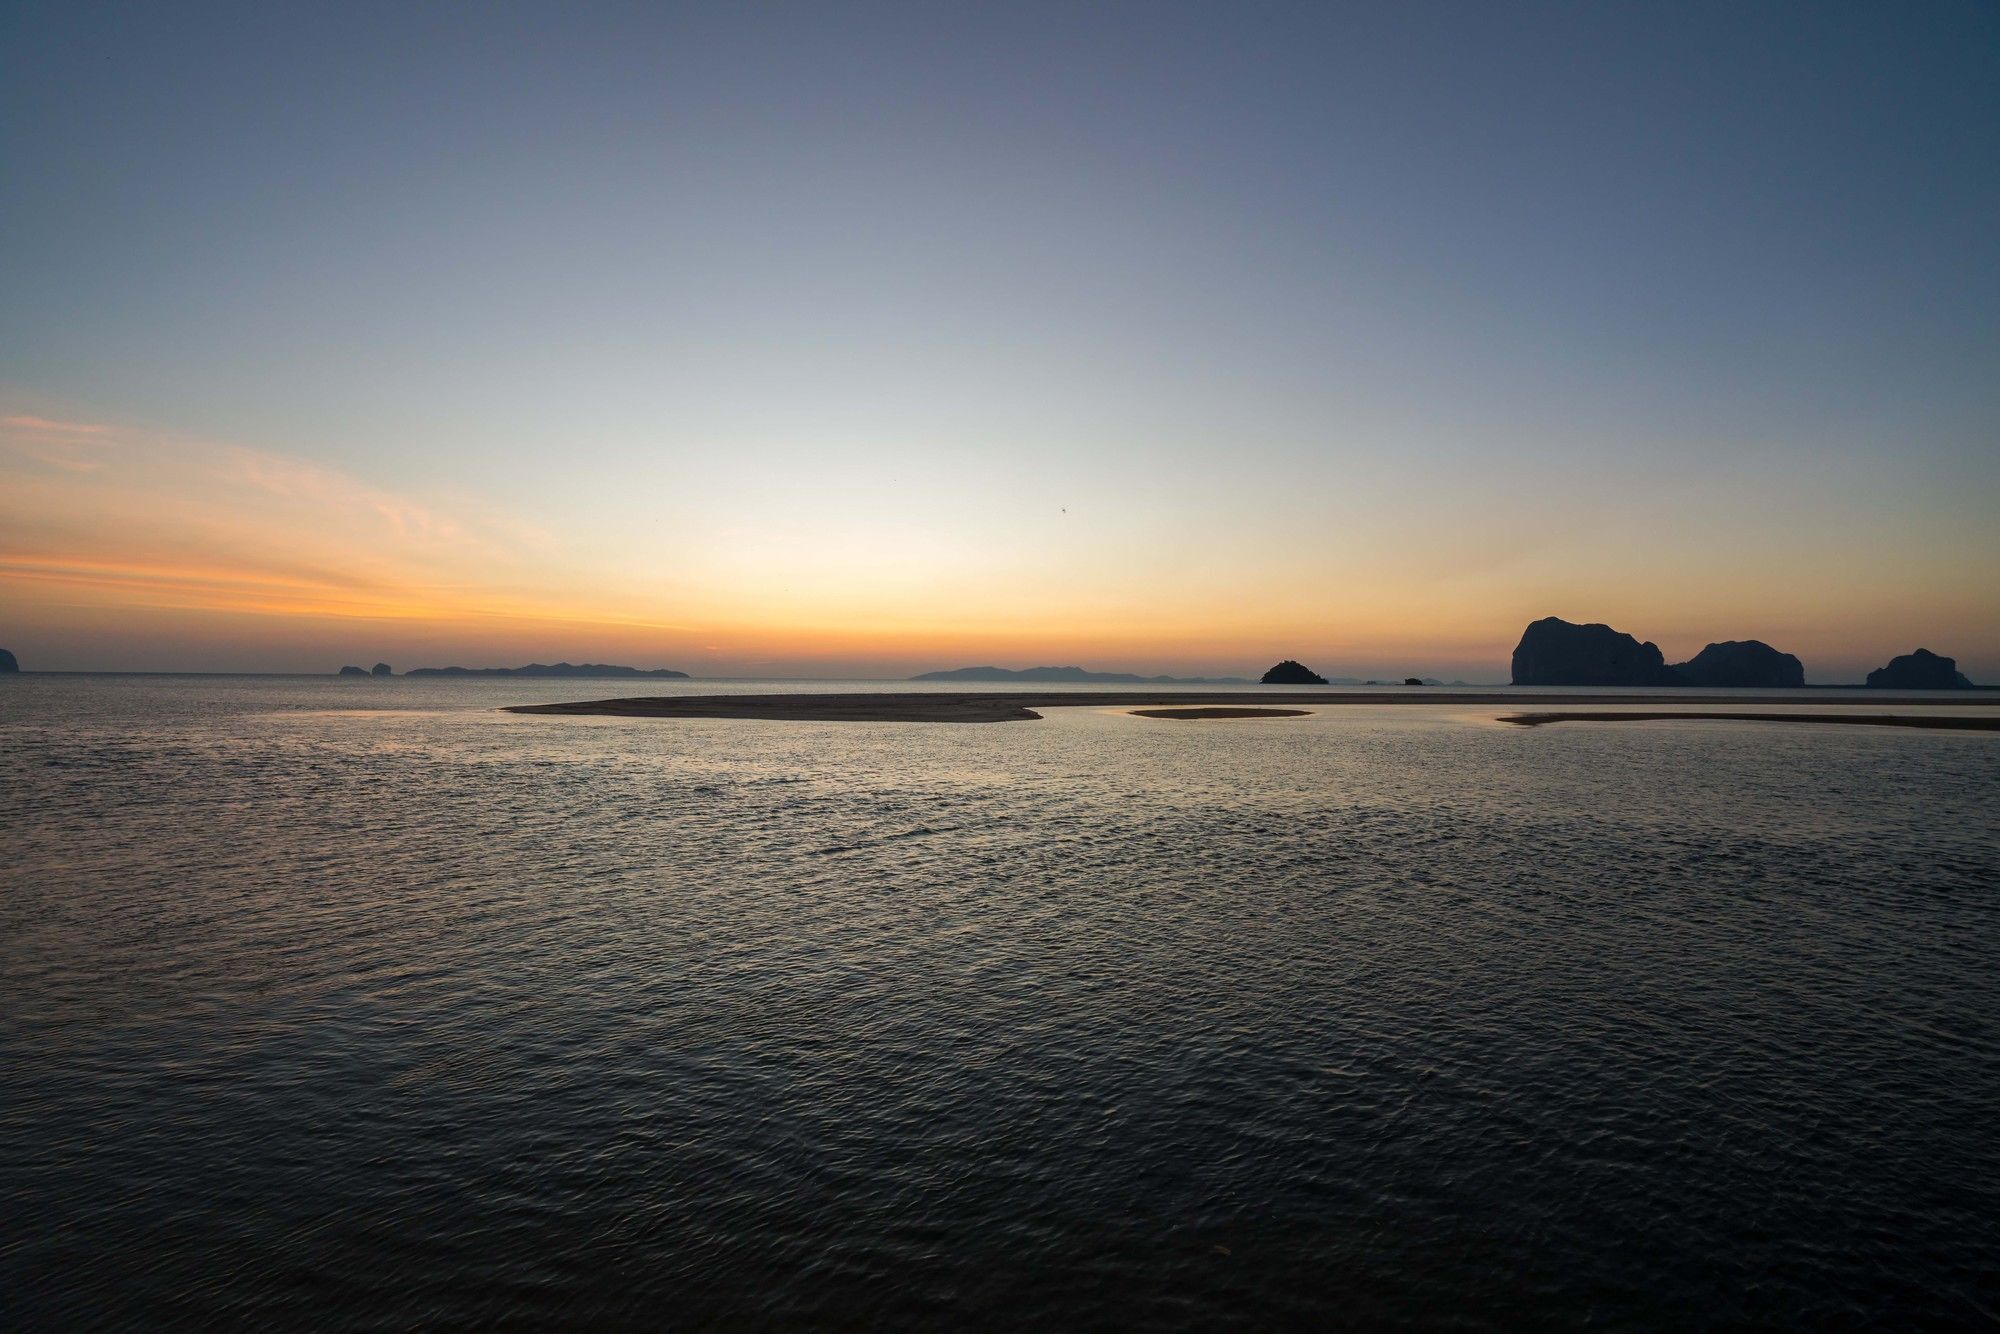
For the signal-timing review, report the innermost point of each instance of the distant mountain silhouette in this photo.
(380, 669)
(1555, 652)
(1741, 662)
(353, 671)
(1290, 673)
(1071, 674)
(581, 669)
(8, 662)
(1922, 670)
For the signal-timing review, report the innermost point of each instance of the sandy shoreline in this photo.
(1224, 711)
(1976, 723)
(1020, 706)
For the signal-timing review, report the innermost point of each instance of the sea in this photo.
(363, 1004)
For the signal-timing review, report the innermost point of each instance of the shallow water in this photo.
(364, 1003)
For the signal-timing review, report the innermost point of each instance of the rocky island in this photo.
(1555, 652)
(1290, 673)
(8, 663)
(1742, 662)
(1922, 670)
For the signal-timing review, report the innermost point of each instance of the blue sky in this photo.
(789, 330)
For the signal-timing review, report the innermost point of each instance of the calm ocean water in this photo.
(359, 1002)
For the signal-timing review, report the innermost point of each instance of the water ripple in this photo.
(422, 1017)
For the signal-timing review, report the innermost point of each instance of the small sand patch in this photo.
(1199, 715)
(1958, 723)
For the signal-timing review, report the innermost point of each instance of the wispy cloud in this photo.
(67, 446)
(44, 426)
(116, 516)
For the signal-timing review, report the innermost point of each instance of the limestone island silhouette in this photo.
(1922, 670)
(1290, 673)
(1742, 662)
(1555, 652)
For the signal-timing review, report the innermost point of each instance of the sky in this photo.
(864, 339)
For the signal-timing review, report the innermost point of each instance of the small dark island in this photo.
(1290, 673)
(8, 663)
(380, 669)
(1922, 670)
(352, 671)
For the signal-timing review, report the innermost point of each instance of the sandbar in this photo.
(1976, 723)
(1201, 715)
(995, 706)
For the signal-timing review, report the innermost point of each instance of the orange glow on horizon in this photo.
(106, 530)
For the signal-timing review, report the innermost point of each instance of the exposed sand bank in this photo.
(912, 706)
(1200, 715)
(1974, 723)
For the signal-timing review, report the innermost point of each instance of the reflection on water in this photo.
(364, 1002)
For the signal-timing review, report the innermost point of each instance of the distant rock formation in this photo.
(353, 671)
(1289, 673)
(1071, 674)
(1413, 680)
(8, 662)
(1742, 662)
(581, 669)
(381, 669)
(1922, 670)
(1555, 652)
